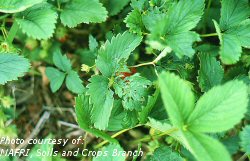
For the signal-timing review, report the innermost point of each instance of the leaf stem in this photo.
(147, 138)
(158, 58)
(209, 35)
(209, 4)
(58, 5)
(4, 16)
(13, 32)
(115, 135)
(243, 157)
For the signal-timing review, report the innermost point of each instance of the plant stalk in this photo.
(209, 35)
(114, 136)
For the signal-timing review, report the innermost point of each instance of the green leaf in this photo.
(182, 43)
(13, 6)
(233, 12)
(131, 119)
(114, 6)
(139, 4)
(245, 141)
(134, 21)
(143, 115)
(110, 153)
(205, 148)
(61, 61)
(116, 119)
(242, 32)
(133, 90)
(93, 44)
(177, 97)
(226, 102)
(151, 18)
(210, 73)
(38, 21)
(111, 53)
(160, 125)
(235, 25)
(173, 29)
(232, 144)
(83, 11)
(83, 111)
(56, 78)
(184, 16)
(230, 50)
(12, 66)
(164, 153)
(74, 83)
(102, 98)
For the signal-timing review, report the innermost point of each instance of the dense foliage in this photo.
(169, 76)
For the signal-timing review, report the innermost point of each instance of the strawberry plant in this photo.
(143, 79)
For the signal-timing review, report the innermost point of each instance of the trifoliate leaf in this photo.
(12, 66)
(13, 6)
(110, 153)
(164, 153)
(114, 6)
(210, 73)
(205, 148)
(173, 29)
(83, 11)
(226, 102)
(177, 97)
(235, 27)
(133, 90)
(56, 78)
(113, 52)
(74, 83)
(61, 61)
(38, 21)
(233, 12)
(102, 98)
(245, 141)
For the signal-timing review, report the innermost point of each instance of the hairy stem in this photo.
(209, 35)
(243, 157)
(114, 136)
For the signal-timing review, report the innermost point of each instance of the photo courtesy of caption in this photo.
(63, 142)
